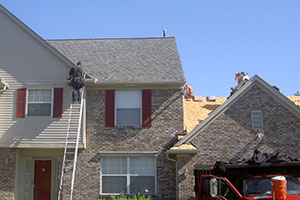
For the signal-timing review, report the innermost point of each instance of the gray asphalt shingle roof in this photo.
(125, 60)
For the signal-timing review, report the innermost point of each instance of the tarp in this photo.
(257, 160)
(260, 158)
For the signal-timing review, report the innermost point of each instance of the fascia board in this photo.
(161, 82)
(133, 84)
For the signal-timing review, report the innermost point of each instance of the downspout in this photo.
(84, 119)
(84, 115)
(175, 161)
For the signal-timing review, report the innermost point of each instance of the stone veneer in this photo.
(167, 119)
(7, 171)
(230, 137)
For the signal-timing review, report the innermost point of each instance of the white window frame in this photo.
(262, 120)
(141, 109)
(128, 174)
(27, 94)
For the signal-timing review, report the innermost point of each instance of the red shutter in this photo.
(146, 107)
(109, 108)
(21, 103)
(58, 102)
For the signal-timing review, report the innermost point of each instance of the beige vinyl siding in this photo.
(26, 63)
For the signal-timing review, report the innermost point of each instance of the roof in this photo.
(197, 111)
(127, 60)
(291, 103)
(36, 36)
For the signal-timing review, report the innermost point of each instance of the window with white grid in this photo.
(131, 175)
(128, 104)
(39, 102)
(257, 120)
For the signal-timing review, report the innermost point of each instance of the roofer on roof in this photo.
(77, 77)
(189, 93)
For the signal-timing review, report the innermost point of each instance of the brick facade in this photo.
(230, 137)
(167, 119)
(7, 171)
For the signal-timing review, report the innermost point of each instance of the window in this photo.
(131, 175)
(27, 177)
(224, 190)
(128, 105)
(205, 189)
(39, 102)
(258, 186)
(257, 120)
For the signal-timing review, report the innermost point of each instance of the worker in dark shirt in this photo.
(77, 77)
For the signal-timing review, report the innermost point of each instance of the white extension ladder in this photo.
(66, 184)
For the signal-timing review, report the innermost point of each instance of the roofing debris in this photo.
(260, 158)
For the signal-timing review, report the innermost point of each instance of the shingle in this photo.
(132, 60)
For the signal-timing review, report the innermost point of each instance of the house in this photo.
(134, 114)
(257, 116)
(132, 110)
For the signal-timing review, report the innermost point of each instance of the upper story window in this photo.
(39, 102)
(128, 107)
(257, 120)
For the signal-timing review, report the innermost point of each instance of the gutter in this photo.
(140, 82)
(175, 161)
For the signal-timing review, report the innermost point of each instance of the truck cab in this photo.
(254, 187)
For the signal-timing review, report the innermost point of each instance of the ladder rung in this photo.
(68, 169)
(65, 185)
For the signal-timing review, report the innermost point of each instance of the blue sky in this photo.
(215, 38)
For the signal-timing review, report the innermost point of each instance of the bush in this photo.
(123, 197)
(191, 198)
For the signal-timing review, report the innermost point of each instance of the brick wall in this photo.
(230, 136)
(167, 119)
(7, 173)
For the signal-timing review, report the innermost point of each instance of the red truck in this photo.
(252, 188)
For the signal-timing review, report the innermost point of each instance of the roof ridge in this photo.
(141, 38)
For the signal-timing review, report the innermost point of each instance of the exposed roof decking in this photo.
(125, 60)
(196, 112)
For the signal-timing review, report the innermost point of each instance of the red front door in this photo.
(42, 179)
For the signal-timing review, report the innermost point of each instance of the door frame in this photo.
(52, 175)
